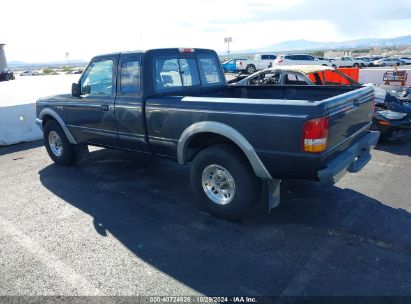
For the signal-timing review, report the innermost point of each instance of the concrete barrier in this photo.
(17, 124)
(17, 104)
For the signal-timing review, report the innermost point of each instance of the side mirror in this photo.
(75, 90)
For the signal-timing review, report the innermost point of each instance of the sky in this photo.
(45, 30)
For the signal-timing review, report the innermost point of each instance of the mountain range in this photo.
(302, 45)
(20, 64)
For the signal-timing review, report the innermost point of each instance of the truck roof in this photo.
(161, 50)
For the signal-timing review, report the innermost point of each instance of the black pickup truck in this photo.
(176, 103)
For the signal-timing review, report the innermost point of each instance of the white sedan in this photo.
(388, 61)
(29, 73)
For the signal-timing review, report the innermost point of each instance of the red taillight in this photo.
(241, 63)
(186, 50)
(280, 60)
(315, 135)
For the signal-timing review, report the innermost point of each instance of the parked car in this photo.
(230, 66)
(393, 115)
(367, 61)
(296, 75)
(235, 137)
(6, 75)
(300, 59)
(347, 62)
(259, 62)
(388, 61)
(29, 73)
(406, 60)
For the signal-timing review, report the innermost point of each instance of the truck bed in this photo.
(261, 114)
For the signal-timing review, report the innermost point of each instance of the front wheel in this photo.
(57, 145)
(224, 182)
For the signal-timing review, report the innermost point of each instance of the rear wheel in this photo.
(250, 69)
(356, 65)
(383, 64)
(224, 182)
(57, 145)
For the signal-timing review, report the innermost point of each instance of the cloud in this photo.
(351, 18)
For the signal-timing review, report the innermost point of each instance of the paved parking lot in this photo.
(126, 224)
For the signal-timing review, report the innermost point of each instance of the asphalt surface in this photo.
(126, 224)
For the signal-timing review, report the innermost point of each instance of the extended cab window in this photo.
(209, 71)
(98, 78)
(130, 76)
(175, 73)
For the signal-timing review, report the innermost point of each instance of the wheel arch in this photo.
(221, 131)
(48, 114)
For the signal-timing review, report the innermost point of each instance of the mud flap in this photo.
(82, 152)
(273, 193)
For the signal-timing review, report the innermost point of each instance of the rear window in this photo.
(173, 73)
(209, 72)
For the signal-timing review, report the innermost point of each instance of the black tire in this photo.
(247, 185)
(67, 156)
(250, 69)
(383, 64)
(356, 65)
(334, 66)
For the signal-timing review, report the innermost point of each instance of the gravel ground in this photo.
(125, 224)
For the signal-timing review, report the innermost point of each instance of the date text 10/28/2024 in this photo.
(203, 299)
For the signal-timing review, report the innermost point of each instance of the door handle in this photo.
(105, 108)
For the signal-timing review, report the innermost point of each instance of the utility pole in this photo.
(228, 40)
(68, 62)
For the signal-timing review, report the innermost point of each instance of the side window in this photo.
(130, 76)
(210, 74)
(256, 79)
(294, 79)
(273, 57)
(264, 57)
(98, 78)
(271, 78)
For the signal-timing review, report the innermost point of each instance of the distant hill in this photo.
(301, 45)
(57, 64)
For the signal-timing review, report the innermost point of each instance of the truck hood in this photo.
(53, 98)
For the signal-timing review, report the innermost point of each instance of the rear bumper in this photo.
(351, 160)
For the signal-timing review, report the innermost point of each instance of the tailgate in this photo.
(349, 115)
